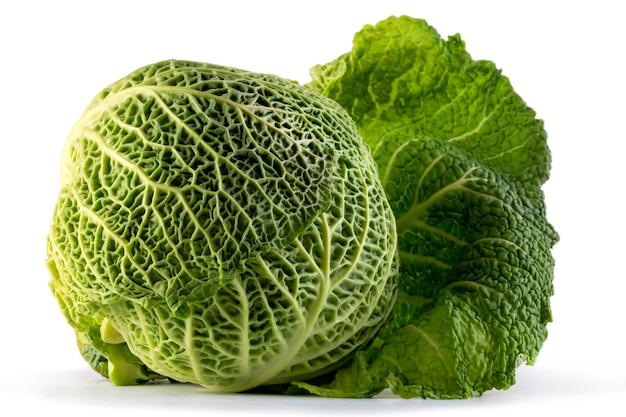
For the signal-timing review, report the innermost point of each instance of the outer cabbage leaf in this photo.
(462, 159)
(219, 227)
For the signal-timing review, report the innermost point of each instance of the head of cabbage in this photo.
(219, 227)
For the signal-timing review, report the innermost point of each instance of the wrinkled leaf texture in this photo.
(462, 159)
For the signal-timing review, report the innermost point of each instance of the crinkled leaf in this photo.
(462, 159)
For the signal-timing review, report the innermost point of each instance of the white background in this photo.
(566, 59)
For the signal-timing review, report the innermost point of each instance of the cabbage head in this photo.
(219, 227)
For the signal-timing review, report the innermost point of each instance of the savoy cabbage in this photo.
(381, 227)
(219, 227)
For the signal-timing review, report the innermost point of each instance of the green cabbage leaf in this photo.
(462, 159)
